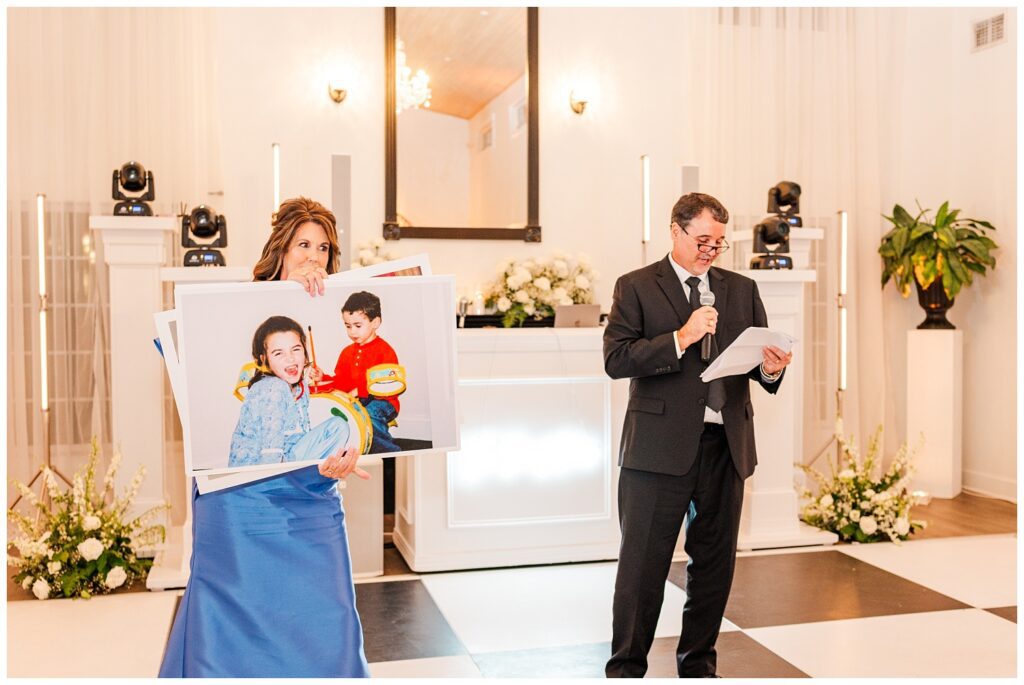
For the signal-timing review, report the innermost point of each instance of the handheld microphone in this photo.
(707, 299)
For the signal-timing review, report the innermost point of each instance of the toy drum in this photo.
(385, 380)
(323, 405)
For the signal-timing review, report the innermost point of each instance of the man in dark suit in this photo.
(687, 446)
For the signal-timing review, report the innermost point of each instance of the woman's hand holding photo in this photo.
(342, 463)
(311, 276)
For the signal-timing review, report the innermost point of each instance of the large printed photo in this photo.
(274, 377)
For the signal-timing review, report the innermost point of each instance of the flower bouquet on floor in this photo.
(79, 543)
(531, 288)
(859, 502)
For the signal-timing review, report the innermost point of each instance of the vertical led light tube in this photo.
(44, 403)
(276, 147)
(843, 266)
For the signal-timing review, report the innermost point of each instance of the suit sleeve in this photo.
(761, 321)
(627, 353)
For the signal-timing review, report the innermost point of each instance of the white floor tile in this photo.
(116, 636)
(551, 606)
(980, 570)
(956, 644)
(437, 667)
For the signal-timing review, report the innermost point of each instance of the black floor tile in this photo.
(739, 656)
(394, 563)
(1009, 613)
(783, 589)
(576, 661)
(401, 621)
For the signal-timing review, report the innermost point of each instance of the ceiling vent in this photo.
(989, 32)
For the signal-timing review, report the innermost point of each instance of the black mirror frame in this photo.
(392, 231)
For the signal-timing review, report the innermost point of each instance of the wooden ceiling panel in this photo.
(471, 54)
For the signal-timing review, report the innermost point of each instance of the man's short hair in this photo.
(364, 302)
(692, 205)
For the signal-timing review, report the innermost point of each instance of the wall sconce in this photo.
(578, 101)
(336, 94)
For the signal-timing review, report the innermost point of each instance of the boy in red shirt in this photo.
(362, 317)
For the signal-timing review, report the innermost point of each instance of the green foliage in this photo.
(950, 249)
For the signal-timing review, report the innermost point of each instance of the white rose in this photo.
(523, 274)
(869, 493)
(826, 501)
(41, 589)
(503, 304)
(543, 283)
(559, 293)
(565, 300)
(91, 522)
(846, 474)
(53, 567)
(855, 515)
(115, 578)
(90, 549)
(868, 525)
(865, 505)
(560, 267)
(529, 309)
(522, 296)
(27, 583)
(902, 526)
(582, 282)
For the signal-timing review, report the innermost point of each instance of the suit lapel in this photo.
(673, 289)
(721, 290)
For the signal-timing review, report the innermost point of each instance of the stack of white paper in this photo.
(745, 352)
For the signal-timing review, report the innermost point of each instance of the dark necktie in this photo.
(716, 388)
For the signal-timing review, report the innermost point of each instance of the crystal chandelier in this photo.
(411, 92)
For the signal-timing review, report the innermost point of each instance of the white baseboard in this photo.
(990, 486)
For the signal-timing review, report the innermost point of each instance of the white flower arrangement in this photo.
(856, 503)
(79, 544)
(532, 288)
(370, 252)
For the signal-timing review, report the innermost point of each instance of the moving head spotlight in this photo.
(134, 178)
(784, 200)
(204, 222)
(771, 242)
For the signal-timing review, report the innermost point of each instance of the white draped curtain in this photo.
(90, 89)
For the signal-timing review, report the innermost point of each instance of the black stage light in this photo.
(204, 222)
(771, 243)
(784, 200)
(134, 178)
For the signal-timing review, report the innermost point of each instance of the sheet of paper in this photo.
(745, 352)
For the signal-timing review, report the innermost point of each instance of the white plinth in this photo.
(935, 409)
(535, 480)
(770, 503)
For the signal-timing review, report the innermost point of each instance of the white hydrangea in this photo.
(559, 293)
(522, 297)
(543, 283)
(90, 549)
(115, 577)
(53, 567)
(560, 267)
(41, 589)
(504, 304)
(855, 515)
(582, 282)
(529, 309)
(565, 300)
(869, 525)
(91, 522)
(902, 526)
(869, 493)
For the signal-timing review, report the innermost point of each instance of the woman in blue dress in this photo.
(270, 592)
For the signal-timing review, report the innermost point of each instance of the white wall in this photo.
(434, 174)
(498, 174)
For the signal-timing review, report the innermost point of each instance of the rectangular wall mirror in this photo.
(461, 141)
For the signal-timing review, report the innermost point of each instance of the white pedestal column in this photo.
(935, 408)
(770, 503)
(135, 248)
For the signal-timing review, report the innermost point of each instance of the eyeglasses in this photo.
(706, 247)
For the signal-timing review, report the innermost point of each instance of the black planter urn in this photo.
(935, 303)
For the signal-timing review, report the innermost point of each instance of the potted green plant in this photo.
(940, 257)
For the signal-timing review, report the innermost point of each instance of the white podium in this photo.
(770, 503)
(935, 409)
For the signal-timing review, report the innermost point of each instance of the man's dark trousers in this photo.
(652, 507)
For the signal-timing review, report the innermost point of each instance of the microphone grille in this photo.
(707, 299)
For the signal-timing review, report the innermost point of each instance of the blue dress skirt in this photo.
(270, 592)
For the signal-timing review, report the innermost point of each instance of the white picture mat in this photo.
(216, 323)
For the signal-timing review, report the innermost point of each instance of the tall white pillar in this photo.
(770, 503)
(134, 248)
(935, 362)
